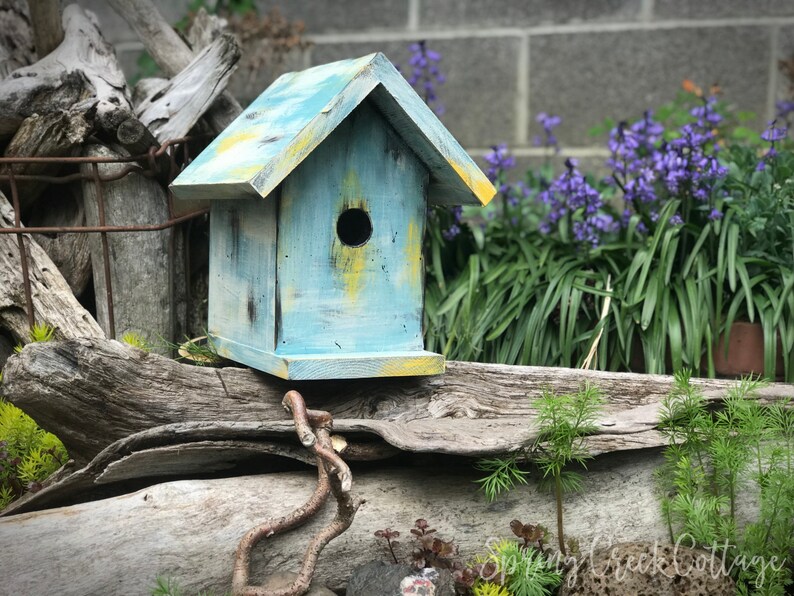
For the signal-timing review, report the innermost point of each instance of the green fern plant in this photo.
(28, 454)
(503, 474)
(565, 421)
(712, 460)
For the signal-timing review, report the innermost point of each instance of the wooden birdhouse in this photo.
(319, 194)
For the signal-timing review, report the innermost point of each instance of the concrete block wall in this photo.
(508, 60)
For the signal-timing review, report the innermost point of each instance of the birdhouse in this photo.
(319, 192)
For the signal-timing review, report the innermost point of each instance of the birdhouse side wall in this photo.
(351, 223)
(243, 272)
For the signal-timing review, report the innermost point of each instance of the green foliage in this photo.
(526, 571)
(489, 589)
(503, 291)
(716, 458)
(169, 586)
(136, 340)
(516, 299)
(502, 475)
(28, 454)
(38, 333)
(564, 421)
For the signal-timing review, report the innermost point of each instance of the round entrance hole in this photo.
(354, 227)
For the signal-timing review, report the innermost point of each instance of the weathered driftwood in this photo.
(171, 53)
(165, 451)
(54, 134)
(81, 74)
(204, 29)
(93, 392)
(189, 529)
(16, 36)
(53, 301)
(175, 108)
(139, 264)
(62, 205)
(45, 17)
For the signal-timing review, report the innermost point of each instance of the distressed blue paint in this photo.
(333, 366)
(243, 272)
(292, 117)
(337, 299)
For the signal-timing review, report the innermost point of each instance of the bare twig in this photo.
(313, 429)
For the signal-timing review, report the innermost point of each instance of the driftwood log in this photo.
(16, 36)
(173, 109)
(81, 73)
(170, 53)
(94, 392)
(141, 275)
(189, 529)
(53, 301)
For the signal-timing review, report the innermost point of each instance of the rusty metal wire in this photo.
(313, 429)
(149, 164)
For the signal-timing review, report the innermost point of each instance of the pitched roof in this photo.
(297, 112)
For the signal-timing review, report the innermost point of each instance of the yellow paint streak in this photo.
(410, 367)
(234, 140)
(480, 186)
(303, 144)
(413, 255)
(245, 172)
(351, 261)
(352, 264)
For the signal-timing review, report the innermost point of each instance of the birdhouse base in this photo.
(356, 365)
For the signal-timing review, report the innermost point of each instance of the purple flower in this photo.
(676, 220)
(715, 214)
(784, 108)
(774, 133)
(425, 74)
(451, 232)
(571, 195)
(549, 122)
(707, 114)
(499, 161)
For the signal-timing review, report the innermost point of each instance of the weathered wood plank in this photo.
(189, 529)
(170, 52)
(175, 108)
(93, 392)
(139, 265)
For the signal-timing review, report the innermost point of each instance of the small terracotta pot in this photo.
(745, 351)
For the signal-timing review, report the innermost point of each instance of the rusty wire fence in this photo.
(164, 163)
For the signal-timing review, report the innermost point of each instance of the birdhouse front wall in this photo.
(351, 220)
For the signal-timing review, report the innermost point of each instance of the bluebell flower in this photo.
(715, 214)
(773, 133)
(549, 122)
(451, 233)
(425, 74)
(676, 220)
(499, 161)
(784, 108)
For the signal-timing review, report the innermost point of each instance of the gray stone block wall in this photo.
(508, 60)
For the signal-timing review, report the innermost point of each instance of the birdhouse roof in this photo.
(298, 111)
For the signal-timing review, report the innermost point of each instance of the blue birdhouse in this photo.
(319, 194)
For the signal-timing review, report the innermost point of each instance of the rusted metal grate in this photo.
(177, 154)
